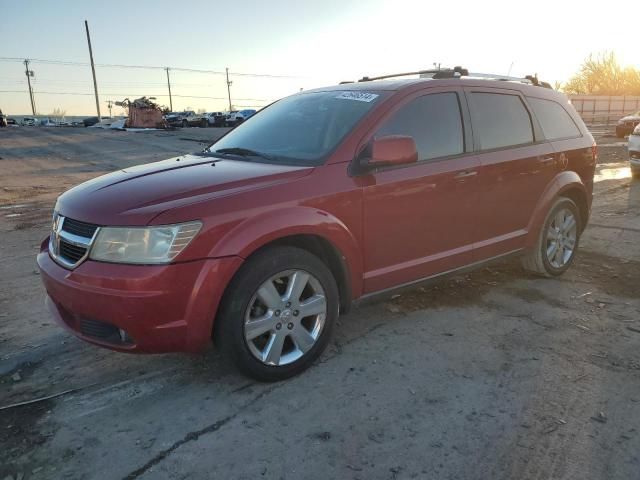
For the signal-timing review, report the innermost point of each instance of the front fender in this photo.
(257, 231)
(563, 182)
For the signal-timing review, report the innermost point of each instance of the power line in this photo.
(127, 94)
(151, 67)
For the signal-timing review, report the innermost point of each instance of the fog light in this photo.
(124, 336)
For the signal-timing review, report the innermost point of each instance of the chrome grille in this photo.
(71, 240)
(79, 228)
(71, 252)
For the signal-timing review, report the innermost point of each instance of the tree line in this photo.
(602, 74)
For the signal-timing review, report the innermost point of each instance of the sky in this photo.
(282, 46)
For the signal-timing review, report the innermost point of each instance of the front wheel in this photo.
(277, 314)
(557, 242)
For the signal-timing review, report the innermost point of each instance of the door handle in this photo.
(546, 160)
(466, 174)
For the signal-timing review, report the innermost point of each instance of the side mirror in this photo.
(393, 150)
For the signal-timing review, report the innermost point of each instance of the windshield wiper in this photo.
(244, 152)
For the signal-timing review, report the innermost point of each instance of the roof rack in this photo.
(457, 72)
(437, 73)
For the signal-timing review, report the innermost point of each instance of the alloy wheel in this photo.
(561, 238)
(285, 317)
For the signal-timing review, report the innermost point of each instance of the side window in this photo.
(554, 120)
(501, 120)
(433, 121)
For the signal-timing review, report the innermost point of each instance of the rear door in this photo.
(516, 165)
(418, 218)
(572, 150)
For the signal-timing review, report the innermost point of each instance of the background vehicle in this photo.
(216, 119)
(634, 151)
(209, 119)
(295, 223)
(626, 124)
(47, 122)
(179, 119)
(237, 117)
(28, 122)
(12, 122)
(3, 120)
(90, 121)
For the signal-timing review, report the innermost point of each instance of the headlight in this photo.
(636, 131)
(143, 244)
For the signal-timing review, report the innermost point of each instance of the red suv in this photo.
(322, 198)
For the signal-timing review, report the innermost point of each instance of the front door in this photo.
(418, 218)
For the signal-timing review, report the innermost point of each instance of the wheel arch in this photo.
(311, 229)
(565, 184)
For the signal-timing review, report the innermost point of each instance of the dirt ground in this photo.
(490, 375)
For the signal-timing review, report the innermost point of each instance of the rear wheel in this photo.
(277, 314)
(185, 124)
(558, 240)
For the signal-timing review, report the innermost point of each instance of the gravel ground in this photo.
(490, 375)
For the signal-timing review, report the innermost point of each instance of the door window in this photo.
(434, 122)
(501, 120)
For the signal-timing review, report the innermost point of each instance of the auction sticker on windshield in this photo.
(358, 96)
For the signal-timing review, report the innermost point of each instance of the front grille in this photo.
(71, 252)
(81, 229)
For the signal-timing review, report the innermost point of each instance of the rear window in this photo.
(554, 119)
(501, 120)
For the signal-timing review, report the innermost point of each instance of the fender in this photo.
(563, 182)
(255, 232)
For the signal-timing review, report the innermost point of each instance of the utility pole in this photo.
(169, 85)
(93, 70)
(229, 88)
(109, 106)
(29, 74)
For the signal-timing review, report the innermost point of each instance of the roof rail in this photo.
(457, 72)
(438, 73)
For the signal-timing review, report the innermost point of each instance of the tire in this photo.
(185, 124)
(538, 260)
(242, 305)
(204, 124)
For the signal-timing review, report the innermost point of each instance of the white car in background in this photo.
(634, 151)
(28, 122)
(237, 117)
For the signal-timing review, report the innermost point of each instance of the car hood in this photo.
(136, 195)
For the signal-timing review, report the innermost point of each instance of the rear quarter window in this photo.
(555, 121)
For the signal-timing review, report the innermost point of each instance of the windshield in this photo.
(301, 129)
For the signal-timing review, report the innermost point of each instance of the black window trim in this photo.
(468, 141)
(538, 134)
(559, 139)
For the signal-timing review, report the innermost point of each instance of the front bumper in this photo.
(154, 308)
